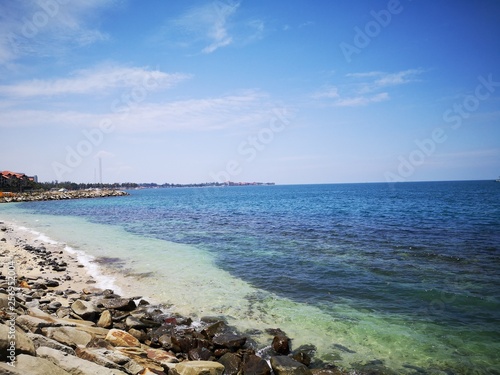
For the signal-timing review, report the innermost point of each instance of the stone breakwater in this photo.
(59, 195)
(53, 320)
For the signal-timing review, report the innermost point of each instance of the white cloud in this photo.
(42, 28)
(361, 100)
(208, 24)
(246, 109)
(330, 92)
(96, 79)
(210, 27)
(373, 81)
(365, 88)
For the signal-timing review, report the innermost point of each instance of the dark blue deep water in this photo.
(427, 253)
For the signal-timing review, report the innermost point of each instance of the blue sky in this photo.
(285, 91)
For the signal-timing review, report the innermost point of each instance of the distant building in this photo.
(14, 181)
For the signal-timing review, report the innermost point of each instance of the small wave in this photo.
(88, 261)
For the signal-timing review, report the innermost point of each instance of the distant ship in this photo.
(498, 179)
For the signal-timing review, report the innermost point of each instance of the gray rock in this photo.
(138, 360)
(75, 365)
(4, 301)
(102, 357)
(53, 306)
(124, 304)
(40, 340)
(51, 283)
(133, 322)
(22, 343)
(198, 368)
(111, 354)
(33, 324)
(85, 309)
(69, 336)
(28, 365)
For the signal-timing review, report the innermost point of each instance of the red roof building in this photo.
(14, 180)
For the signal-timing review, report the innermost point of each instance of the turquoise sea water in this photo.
(405, 275)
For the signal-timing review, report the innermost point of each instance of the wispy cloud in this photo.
(42, 28)
(329, 92)
(206, 24)
(362, 100)
(246, 109)
(306, 24)
(373, 81)
(210, 27)
(360, 89)
(97, 79)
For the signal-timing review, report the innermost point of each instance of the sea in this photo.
(400, 277)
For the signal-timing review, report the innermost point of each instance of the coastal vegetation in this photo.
(13, 182)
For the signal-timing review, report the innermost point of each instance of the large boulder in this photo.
(304, 354)
(75, 365)
(105, 320)
(161, 356)
(33, 324)
(22, 344)
(121, 338)
(231, 362)
(198, 368)
(229, 341)
(281, 344)
(70, 336)
(139, 360)
(40, 340)
(124, 304)
(102, 357)
(283, 365)
(214, 328)
(133, 322)
(184, 344)
(254, 365)
(200, 354)
(28, 365)
(85, 309)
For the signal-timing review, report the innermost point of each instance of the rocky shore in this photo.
(54, 320)
(59, 195)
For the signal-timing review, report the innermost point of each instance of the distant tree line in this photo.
(28, 185)
(68, 185)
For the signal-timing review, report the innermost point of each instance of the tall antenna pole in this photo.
(100, 171)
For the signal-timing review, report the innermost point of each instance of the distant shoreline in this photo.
(59, 195)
